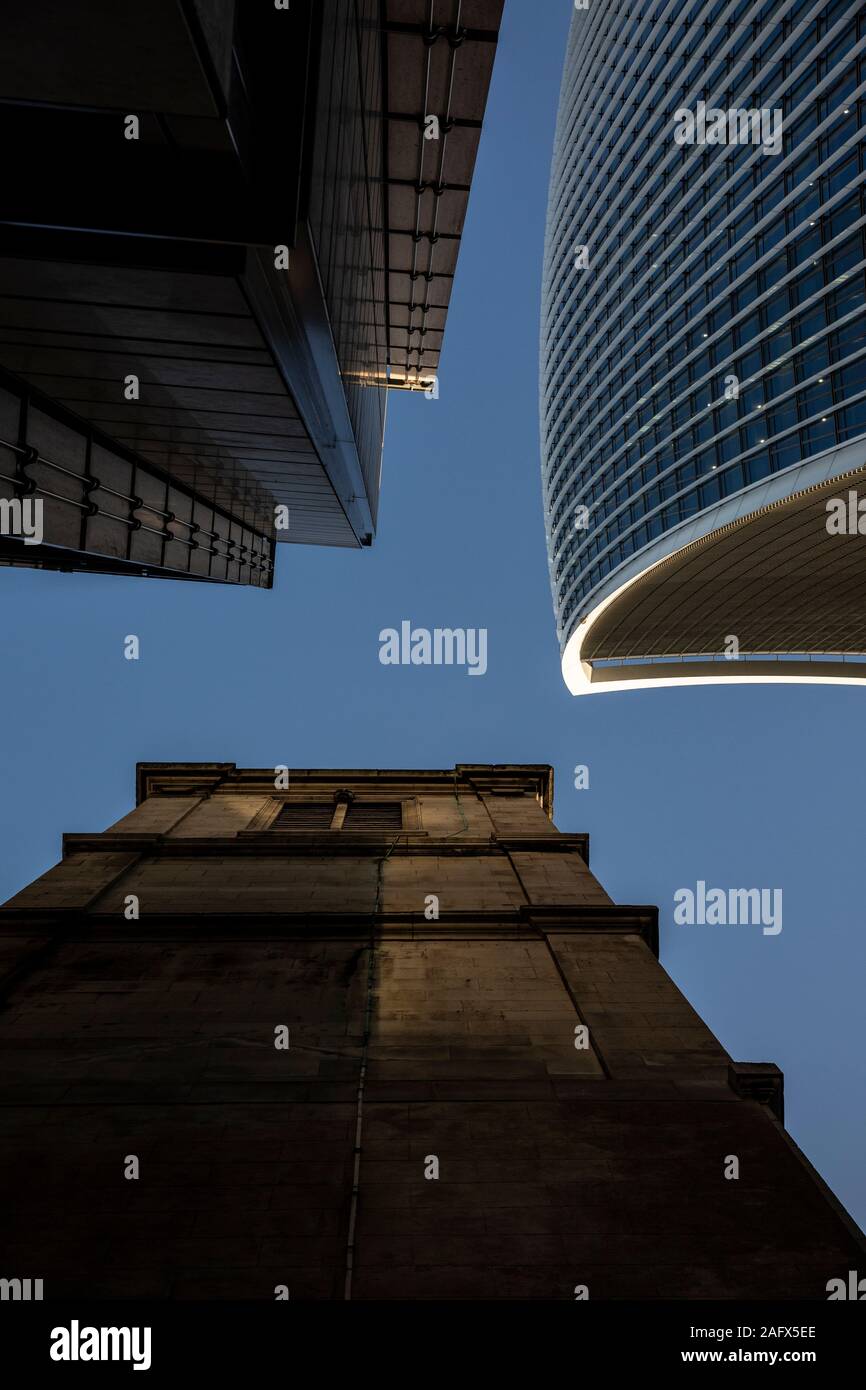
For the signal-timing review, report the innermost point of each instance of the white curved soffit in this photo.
(583, 679)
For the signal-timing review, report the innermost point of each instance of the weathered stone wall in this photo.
(558, 1165)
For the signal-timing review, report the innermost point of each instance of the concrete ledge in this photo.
(760, 1081)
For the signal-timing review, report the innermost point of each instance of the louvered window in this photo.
(374, 815)
(305, 815)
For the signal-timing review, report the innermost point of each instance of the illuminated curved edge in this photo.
(584, 679)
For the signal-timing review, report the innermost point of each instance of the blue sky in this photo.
(741, 787)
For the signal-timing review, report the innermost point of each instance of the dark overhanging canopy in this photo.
(155, 258)
(437, 58)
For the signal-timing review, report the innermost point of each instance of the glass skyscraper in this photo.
(703, 379)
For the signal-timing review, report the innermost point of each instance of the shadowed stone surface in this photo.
(558, 1165)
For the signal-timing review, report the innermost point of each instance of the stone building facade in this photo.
(379, 1035)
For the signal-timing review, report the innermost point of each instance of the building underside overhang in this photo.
(154, 259)
(437, 59)
(778, 585)
(105, 509)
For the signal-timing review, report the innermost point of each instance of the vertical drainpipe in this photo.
(362, 1077)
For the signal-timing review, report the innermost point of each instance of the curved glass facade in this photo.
(702, 310)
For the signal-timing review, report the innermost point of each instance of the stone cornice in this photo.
(192, 779)
(319, 842)
(640, 921)
(760, 1081)
(523, 922)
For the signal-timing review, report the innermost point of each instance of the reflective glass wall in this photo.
(702, 317)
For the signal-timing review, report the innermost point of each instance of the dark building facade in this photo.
(703, 378)
(229, 229)
(376, 1035)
